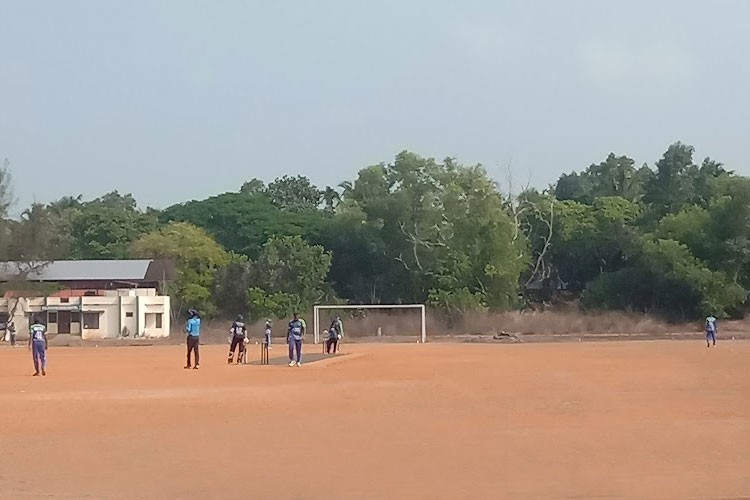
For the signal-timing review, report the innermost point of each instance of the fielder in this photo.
(38, 346)
(238, 331)
(295, 334)
(711, 329)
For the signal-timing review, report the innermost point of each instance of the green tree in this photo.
(296, 194)
(615, 176)
(197, 258)
(103, 228)
(243, 222)
(673, 186)
(290, 272)
(664, 277)
(413, 217)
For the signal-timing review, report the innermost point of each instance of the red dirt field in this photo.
(404, 421)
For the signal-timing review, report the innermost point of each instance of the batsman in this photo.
(238, 333)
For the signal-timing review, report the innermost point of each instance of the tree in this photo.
(38, 236)
(664, 277)
(672, 186)
(104, 228)
(615, 176)
(413, 217)
(296, 194)
(253, 186)
(290, 273)
(197, 258)
(243, 222)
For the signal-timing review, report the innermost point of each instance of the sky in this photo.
(173, 100)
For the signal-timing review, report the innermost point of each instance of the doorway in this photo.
(63, 322)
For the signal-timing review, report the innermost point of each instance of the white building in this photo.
(136, 312)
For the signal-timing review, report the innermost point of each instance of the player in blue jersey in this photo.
(711, 329)
(38, 346)
(295, 334)
(193, 330)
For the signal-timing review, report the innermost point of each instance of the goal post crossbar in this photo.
(318, 308)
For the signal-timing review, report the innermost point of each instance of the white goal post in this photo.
(318, 308)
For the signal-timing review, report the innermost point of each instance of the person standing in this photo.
(238, 331)
(335, 333)
(193, 330)
(12, 332)
(38, 346)
(267, 333)
(711, 329)
(295, 334)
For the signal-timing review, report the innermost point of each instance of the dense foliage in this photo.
(673, 239)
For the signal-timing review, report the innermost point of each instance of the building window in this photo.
(128, 314)
(158, 320)
(91, 321)
(52, 318)
(75, 317)
(64, 300)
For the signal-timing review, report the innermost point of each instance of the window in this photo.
(128, 314)
(75, 317)
(90, 321)
(158, 321)
(64, 300)
(52, 318)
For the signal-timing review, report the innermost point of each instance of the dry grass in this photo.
(406, 323)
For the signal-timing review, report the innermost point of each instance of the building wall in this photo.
(142, 312)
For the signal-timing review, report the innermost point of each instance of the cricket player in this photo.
(193, 330)
(238, 331)
(711, 329)
(12, 332)
(335, 334)
(38, 346)
(267, 332)
(295, 334)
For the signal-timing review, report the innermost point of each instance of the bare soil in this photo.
(654, 420)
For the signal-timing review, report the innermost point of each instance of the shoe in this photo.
(230, 361)
(196, 367)
(36, 374)
(292, 363)
(44, 373)
(299, 363)
(187, 367)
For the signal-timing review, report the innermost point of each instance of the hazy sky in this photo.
(173, 100)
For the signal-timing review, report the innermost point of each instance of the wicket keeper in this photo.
(335, 333)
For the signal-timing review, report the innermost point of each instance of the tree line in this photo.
(672, 239)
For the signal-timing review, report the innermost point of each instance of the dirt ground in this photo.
(404, 421)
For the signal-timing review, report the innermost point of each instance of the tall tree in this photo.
(197, 257)
(415, 211)
(296, 194)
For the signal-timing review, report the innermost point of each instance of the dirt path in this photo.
(440, 421)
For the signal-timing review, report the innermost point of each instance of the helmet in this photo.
(240, 318)
(192, 313)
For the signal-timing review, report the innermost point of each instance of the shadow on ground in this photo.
(280, 357)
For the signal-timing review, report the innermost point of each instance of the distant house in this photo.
(94, 274)
(97, 299)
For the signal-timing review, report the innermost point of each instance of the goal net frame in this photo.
(327, 307)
